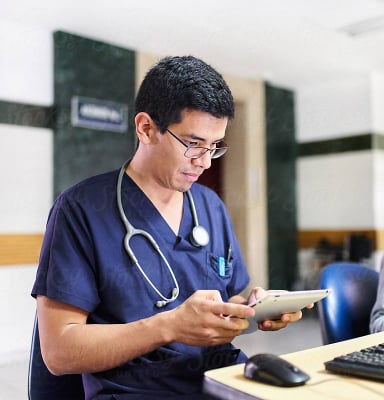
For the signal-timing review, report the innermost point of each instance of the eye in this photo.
(218, 144)
(192, 143)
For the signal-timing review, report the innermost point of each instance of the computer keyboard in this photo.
(365, 363)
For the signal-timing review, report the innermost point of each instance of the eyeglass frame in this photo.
(203, 149)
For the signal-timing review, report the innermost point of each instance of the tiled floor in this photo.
(298, 336)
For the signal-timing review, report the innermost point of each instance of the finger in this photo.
(284, 320)
(269, 325)
(212, 295)
(256, 293)
(233, 310)
(292, 317)
(233, 326)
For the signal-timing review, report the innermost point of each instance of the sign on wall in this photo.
(99, 114)
(99, 135)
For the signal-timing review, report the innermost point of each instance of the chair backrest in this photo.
(345, 313)
(42, 385)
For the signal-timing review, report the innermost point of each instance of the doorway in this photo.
(213, 177)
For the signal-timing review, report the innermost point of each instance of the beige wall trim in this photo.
(310, 238)
(244, 175)
(20, 249)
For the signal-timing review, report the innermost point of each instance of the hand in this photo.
(285, 319)
(205, 320)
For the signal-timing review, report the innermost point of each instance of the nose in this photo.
(204, 161)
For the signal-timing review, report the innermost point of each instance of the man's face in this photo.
(197, 128)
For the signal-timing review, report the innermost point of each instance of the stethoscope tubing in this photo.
(199, 237)
(132, 231)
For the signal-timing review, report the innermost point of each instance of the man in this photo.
(141, 322)
(377, 314)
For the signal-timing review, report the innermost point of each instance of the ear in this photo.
(145, 127)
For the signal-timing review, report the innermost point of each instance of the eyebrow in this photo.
(196, 137)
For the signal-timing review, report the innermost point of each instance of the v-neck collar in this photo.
(147, 216)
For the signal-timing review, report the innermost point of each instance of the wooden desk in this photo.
(229, 383)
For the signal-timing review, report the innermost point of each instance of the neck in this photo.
(169, 203)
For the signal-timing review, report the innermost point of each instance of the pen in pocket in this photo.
(229, 254)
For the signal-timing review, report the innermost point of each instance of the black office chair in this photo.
(345, 313)
(42, 385)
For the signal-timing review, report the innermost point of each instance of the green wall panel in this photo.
(97, 70)
(281, 181)
(26, 114)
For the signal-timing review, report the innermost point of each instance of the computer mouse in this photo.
(274, 370)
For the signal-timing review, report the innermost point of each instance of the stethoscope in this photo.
(199, 237)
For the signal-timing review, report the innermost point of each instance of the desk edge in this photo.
(215, 388)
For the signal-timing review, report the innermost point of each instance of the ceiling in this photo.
(292, 43)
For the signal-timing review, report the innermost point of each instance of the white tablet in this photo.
(274, 304)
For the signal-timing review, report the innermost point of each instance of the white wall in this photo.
(377, 84)
(342, 190)
(328, 110)
(377, 101)
(25, 174)
(26, 64)
(379, 189)
(336, 191)
(17, 312)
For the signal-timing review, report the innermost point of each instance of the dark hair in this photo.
(178, 83)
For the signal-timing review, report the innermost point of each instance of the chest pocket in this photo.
(220, 273)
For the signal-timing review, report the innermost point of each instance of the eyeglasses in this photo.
(198, 151)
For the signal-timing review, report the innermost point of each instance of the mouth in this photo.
(192, 177)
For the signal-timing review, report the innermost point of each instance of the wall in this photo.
(245, 175)
(99, 71)
(281, 153)
(338, 141)
(340, 168)
(26, 173)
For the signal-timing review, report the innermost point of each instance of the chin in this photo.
(184, 188)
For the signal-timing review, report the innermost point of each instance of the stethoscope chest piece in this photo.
(199, 236)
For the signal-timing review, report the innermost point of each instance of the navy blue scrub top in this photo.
(83, 263)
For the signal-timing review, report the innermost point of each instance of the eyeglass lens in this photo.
(198, 151)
